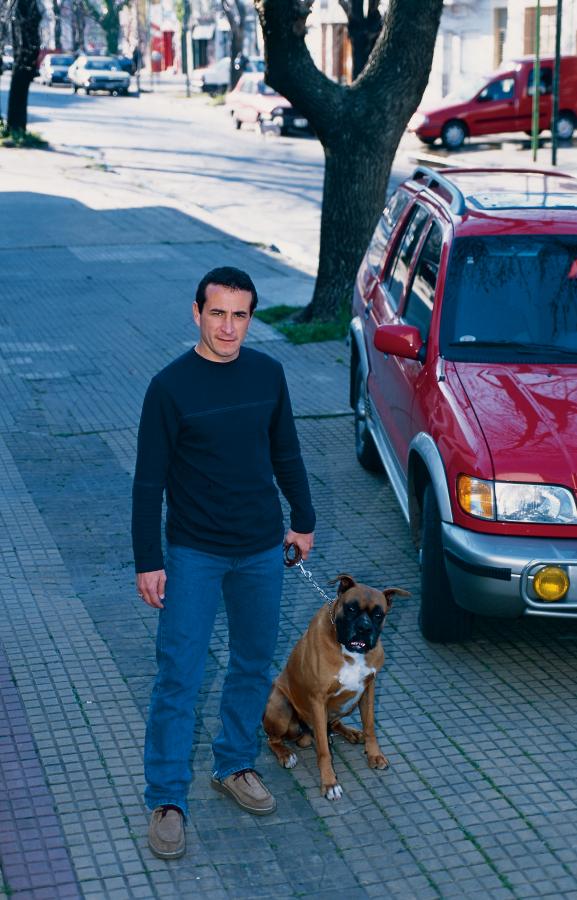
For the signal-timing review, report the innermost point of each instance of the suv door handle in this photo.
(368, 309)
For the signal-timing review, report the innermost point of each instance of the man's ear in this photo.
(345, 582)
(389, 593)
(196, 312)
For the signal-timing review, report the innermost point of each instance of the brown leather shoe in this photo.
(166, 836)
(246, 789)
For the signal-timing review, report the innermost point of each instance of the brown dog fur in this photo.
(308, 697)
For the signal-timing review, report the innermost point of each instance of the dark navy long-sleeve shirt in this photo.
(215, 436)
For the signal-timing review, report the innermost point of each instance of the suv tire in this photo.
(367, 453)
(453, 135)
(441, 620)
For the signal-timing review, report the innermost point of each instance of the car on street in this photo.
(215, 79)
(254, 102)
(7, 58)
(54, 68)
(501, 103)
(464, 387)
(99, 73)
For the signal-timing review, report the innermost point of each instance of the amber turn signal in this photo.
(476, 496)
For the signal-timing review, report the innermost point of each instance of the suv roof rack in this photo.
(435, 180)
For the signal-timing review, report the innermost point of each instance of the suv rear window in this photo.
(398, 275)
(511, 297)
(391, 215)
(419, 307)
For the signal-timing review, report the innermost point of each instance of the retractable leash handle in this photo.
(292, 555)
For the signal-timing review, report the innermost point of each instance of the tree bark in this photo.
(26, 18)
(57, 10)
(235, 12)
(359, 126)
(363, 28)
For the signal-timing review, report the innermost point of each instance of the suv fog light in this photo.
(551, 583)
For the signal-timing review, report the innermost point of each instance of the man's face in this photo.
(223, 322)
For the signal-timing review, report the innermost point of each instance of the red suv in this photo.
(464, 387)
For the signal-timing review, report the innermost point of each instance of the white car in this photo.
(99, 73)
(215, 79)
(54, 68)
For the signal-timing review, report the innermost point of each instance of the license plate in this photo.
(300, 123)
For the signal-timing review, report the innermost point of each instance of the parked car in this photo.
(501, 103)
(99, 73)
(464, 387)
(255, 102)
(215, 79)
(54, 68)
(7, 58)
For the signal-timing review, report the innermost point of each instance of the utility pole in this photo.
(556, 72)
(536, 83)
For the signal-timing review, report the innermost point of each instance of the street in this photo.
(104, 239)
(265, 189)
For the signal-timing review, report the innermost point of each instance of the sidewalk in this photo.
(480, 799)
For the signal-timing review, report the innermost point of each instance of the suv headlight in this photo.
(504, 501)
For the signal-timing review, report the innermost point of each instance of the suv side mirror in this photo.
(400, 340)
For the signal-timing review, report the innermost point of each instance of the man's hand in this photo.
(305, 542)
(150, 587)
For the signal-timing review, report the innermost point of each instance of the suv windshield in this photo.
(61, 60)
(511, 297)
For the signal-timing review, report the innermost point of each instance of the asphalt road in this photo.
(265, 189)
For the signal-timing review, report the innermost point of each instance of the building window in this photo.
(499, 34)
(547, 30)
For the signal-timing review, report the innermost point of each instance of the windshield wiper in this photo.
(523, 346)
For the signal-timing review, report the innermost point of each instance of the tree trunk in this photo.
(359, 126)
(26, 46)
(363, 33)
(348, 217)
(235, 12)
(111, 24)
(57, 10)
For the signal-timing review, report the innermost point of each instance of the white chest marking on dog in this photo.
(352, 673)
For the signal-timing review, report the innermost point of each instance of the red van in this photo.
(500, 103)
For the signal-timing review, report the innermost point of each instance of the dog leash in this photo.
(293, 558)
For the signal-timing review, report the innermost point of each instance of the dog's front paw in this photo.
(291, 761)
(377, 761)
(332, 792)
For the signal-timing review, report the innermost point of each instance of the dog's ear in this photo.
(344, 581)
(389, 593)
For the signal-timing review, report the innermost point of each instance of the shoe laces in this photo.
(243, 772)
(167, 807)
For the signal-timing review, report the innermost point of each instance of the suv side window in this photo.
(398, 275)
(419, 308)
(385, 227)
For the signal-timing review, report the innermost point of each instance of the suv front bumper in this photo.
(492, 575)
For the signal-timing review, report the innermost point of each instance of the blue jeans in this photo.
(251, 587)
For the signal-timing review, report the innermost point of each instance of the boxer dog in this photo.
(330, 671)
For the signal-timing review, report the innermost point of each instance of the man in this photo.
(216, 430)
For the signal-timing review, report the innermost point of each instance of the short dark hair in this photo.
(226, 276)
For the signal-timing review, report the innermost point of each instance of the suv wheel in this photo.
(565, 126)
(367, 453)
(441, 620)
(453, 135)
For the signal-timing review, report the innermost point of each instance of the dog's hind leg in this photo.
(281, 721)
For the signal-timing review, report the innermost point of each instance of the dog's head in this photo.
(360, 612)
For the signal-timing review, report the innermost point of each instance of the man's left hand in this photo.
(305, 542)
